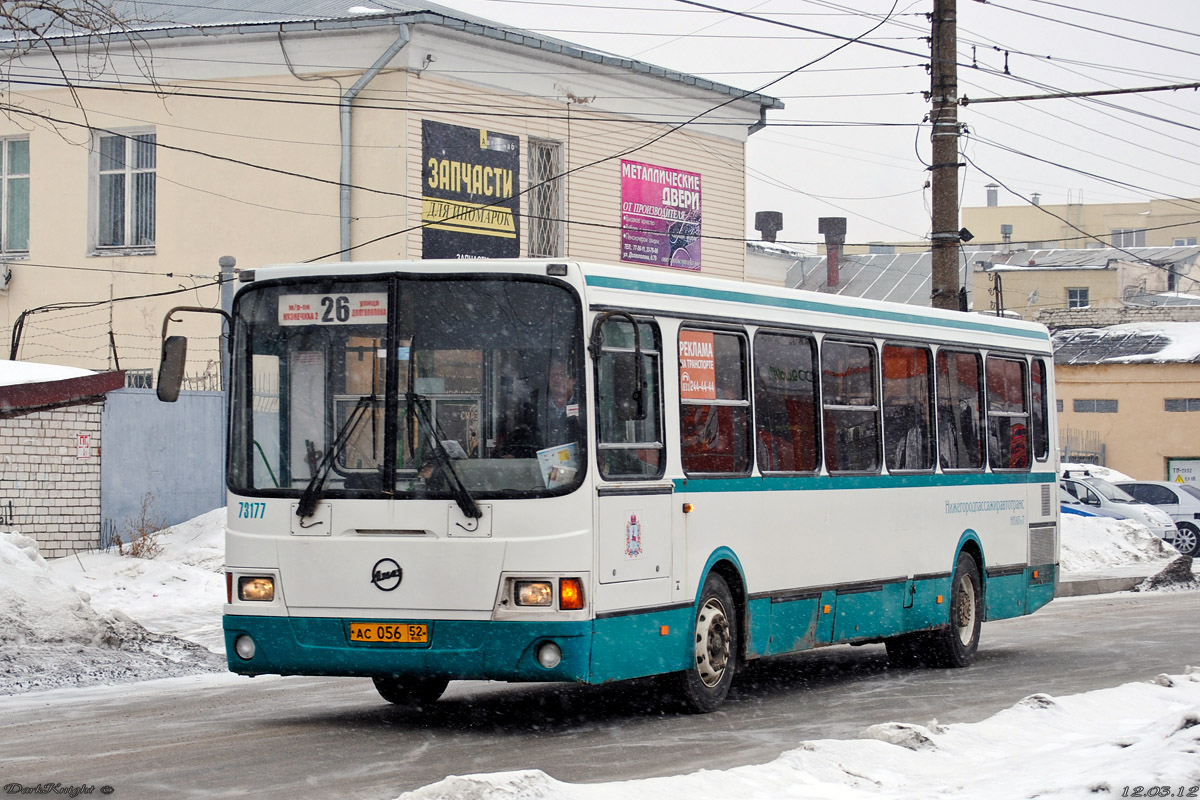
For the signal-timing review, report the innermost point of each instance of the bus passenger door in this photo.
(634, 531)
(633, 501)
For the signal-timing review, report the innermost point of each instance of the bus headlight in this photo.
(260, 589)
(533, 593)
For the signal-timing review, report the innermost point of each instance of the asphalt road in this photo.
(329, 738)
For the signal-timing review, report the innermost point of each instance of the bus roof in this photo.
(716, 299)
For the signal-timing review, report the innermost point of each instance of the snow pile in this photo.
(51, 634)
(179, 592)
(1097, 544)
(1101, 743)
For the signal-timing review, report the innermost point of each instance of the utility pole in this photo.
(943, 93)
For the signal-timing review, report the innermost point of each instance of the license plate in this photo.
(389, 632)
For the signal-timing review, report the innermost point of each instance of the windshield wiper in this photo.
(312, 493)
(462, 495)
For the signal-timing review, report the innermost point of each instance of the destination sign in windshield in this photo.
(357, 308)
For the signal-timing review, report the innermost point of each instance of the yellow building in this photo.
(1130, 390)
(1148, 223)
(377, 135)
(1034, 283)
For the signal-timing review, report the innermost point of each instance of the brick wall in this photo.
(1103, 317)
(54, 494)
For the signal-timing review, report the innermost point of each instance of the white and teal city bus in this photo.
(547, 471)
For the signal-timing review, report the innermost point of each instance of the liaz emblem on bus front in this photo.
(633, 537)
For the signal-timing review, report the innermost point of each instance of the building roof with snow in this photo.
(1132, 343)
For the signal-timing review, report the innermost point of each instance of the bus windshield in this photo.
(407, 387)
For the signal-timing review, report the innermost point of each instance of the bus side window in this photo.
(1008, 414)
(1040, 411)
(907, 408)
(959, 410)
(629, 449)
(714, 412)
(851, 407)
(785, 403)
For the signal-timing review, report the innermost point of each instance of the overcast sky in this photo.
(851, 141)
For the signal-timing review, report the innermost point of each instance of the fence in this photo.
(1081, 447)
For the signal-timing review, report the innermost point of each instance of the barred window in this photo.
(546, 207)
(1096, 406)
(1182, 404)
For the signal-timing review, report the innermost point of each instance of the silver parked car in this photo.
(1098, 493)
(1180, 500)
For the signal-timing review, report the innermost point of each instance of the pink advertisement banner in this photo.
(660, 216)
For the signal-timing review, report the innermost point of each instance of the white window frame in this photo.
(1129, 237)
(6, 179)
(1081, 293)
(130, 172)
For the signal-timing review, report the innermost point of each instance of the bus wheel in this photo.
(955, 645)
(410, 690)
(707, 682)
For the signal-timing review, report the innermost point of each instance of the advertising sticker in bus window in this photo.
(349, 308)
(697, 366)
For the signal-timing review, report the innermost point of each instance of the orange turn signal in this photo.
(570, 594)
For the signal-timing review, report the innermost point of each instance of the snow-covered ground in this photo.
(106, 618)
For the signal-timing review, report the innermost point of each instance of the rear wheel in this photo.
(714, 648)
(954, 645)
(1187, 539)
(410, 690)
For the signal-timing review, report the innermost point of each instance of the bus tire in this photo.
(706, 682)
(410, 690)
(955, 645)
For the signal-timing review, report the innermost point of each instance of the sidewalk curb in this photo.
(1087, 586)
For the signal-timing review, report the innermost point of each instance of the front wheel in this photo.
(409, 690)
(1187, 539)
(714, 648)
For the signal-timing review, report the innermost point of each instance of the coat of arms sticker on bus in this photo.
(633, 537)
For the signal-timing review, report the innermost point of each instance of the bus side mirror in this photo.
(628, 388)
(170, 368)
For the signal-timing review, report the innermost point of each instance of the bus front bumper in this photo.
(457, 649)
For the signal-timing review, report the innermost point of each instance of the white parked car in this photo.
(1180, 500)
(1099, 493)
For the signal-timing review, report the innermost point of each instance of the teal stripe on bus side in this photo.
(755, 483)
(800, 304)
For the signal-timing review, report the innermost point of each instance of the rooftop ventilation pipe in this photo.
(834, 229)
(344, 108)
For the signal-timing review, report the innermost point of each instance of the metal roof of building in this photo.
(895, 277)
(176, 18)
(1136, 343)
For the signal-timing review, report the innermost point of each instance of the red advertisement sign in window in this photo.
(697, 366)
